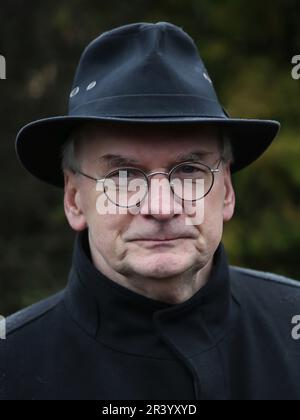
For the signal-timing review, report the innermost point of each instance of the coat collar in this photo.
(131, 323)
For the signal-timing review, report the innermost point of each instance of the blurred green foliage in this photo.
(247, 47)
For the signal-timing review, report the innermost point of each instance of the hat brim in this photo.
(39, 144)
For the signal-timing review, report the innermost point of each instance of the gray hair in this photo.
(69, 159)
(71, 162)
(69, 156)
(227, 150)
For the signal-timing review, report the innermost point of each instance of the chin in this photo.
(161, 266)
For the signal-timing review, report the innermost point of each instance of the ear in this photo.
(72, 203)
(229, 195)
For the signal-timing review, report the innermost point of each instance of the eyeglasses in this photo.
(189, 181)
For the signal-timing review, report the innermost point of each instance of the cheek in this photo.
(107, 231)
(209, 210)
(211, 228)
(215, 199)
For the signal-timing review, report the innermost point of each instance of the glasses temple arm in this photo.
(90, 177)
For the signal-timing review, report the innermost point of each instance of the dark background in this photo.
(247, 47)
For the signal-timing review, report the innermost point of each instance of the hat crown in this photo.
(142, 73)
(143, 69)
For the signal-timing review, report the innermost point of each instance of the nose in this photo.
(160, 202)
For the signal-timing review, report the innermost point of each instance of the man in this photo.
(152, 310)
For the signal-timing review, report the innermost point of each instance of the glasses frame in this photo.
(148, 175)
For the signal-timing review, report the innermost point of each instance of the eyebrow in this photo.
(193, 156)
(114, 160)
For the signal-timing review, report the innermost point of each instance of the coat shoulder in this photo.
(265, 289)
(263, 276)
(30, 314)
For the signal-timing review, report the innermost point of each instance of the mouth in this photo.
(159, 242)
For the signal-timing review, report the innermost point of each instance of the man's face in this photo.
(127, 244)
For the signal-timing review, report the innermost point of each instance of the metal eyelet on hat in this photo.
(206, 76)
(91, 85)
(74, 92)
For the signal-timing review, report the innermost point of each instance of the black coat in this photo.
(98, 340)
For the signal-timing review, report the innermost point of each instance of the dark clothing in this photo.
(98, 340)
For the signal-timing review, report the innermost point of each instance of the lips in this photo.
(157, 243)
(156, 236)
(164, 239)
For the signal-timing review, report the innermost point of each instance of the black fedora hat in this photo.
(140, 73)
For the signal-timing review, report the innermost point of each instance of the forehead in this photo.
(146, 142)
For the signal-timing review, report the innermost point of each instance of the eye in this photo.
(188, 169)
(126, 173)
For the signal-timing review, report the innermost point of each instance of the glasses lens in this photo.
(126, 187)
(191, 182)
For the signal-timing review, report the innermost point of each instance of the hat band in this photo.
(150, 106)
